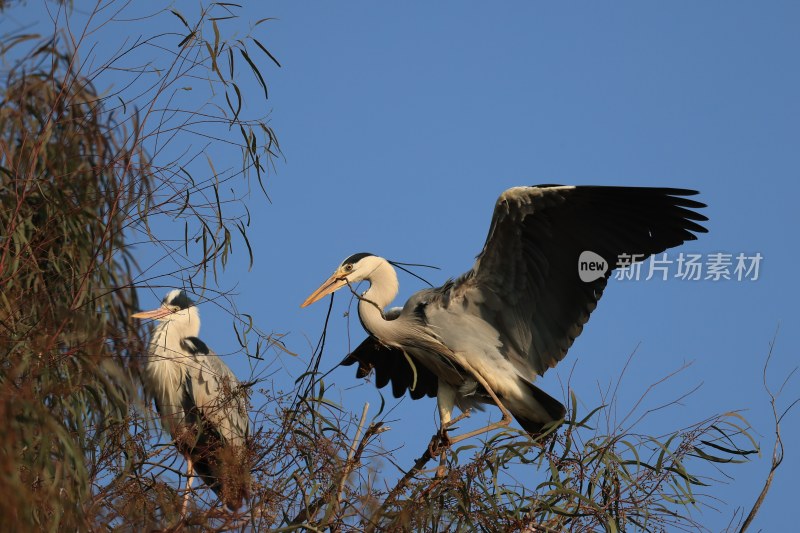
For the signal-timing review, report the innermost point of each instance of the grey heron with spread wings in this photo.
(199, 400)
(484, 337)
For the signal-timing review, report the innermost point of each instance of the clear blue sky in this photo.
(401, 123)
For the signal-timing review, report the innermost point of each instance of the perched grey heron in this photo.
(485, 336)
(199, 399)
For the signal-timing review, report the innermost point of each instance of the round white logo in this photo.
(591, 266)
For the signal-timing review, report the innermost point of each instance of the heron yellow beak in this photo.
(155, 313)
(332, 284)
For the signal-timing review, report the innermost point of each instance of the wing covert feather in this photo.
(218, 395)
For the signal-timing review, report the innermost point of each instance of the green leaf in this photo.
(180, 17)
(264, 49)
(255, 70)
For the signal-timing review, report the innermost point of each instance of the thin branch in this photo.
(354, 458)
(777, 450)
(348, 467)
(402, 484)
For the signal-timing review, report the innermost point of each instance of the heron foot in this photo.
(439, 444)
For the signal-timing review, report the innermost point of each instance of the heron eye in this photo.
(348, 268)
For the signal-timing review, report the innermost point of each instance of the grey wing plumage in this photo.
(217, 394)
(219, 410)
(525, 281)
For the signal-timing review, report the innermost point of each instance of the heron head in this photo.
(176, 305)
(355, 268)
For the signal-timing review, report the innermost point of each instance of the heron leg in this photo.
(504, 422)
(445, 399)
(190, 474)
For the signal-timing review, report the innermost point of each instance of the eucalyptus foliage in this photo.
(66, 174)
(81, 183)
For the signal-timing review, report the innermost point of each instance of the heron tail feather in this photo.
(555, 411)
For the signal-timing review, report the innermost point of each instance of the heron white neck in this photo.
(172, 328)
(163, 378)
(382, 290)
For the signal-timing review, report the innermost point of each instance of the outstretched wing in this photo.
(525, 282)
(218, 395)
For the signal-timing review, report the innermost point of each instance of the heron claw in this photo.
(438, 446)
(439, 443)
